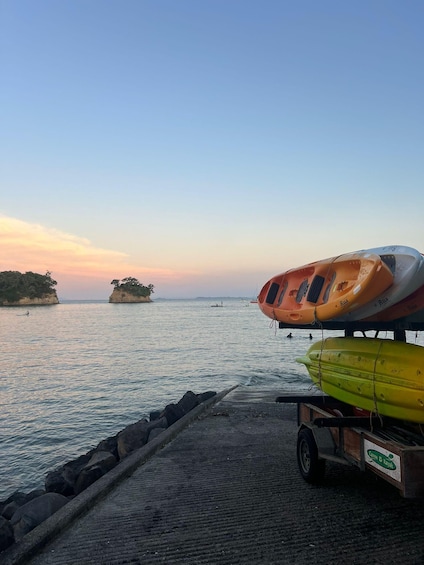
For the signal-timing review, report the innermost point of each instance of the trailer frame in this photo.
(331, 430)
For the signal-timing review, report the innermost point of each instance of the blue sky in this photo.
(205, 146)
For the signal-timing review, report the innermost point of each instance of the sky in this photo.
(204, 146)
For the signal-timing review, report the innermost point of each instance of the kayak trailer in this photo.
(330, 430)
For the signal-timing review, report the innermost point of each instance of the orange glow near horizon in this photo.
(84, 271)
(32, 247)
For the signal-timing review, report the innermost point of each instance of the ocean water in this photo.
(76, 373)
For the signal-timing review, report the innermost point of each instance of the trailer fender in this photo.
(323, 439)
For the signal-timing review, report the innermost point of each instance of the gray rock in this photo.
(56, 482)
(12, 503)
(18, 499)
(109, 444)
(132, 437)
(188, 401)
(18, 495)
(205, 396)
(87, 477)
(34, 494)
(104, 459)
(63, 479)
(10, 509)
(6, 534)
(172, 413)
(136, 435)
(73, 468)
(34, 512)
(154, 415)
(100, 463)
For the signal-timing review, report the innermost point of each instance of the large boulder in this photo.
(56, 482)
(87, 477)
(11, 504)
(16, 500)
(109, 444)
(172, 413)
(34, 512)
(188, 401)
(100, 463)
(205, 395)
(103, 459)
(136, 435)
(63, 479)
(6, 534)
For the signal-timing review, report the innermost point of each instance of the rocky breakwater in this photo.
(22, 512)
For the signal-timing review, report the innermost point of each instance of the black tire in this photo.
(311, 467)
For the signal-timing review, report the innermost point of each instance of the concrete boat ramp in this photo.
(226, 489)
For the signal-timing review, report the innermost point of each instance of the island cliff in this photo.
(119, 296)
(46, 299)
(27, 289)
(130, 290)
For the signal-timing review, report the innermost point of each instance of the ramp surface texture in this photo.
(227, 490)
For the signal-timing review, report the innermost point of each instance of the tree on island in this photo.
(132, 286)
(15, 285)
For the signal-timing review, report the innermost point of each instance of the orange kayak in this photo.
(407, 266)
(325, 289)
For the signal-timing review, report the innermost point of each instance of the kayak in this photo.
(325, 289)
(382, 376)
(407, 266)
(407, 307)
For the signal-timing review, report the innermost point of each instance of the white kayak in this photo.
(407, 266)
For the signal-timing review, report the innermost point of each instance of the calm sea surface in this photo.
(75, 373)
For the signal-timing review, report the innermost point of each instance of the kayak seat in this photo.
(390, 261)
(282, 293)
(327, 290)
(315, 289)
(303, 289)
(272, 293)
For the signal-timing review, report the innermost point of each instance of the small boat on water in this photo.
(382, 376)
(407, 267)
(325, 289)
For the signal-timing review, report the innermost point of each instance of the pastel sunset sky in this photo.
(204, 146)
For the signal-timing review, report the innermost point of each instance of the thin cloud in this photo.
(32, 247)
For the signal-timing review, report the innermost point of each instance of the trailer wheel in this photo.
(311, 467)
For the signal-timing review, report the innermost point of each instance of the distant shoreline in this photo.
(214, 298)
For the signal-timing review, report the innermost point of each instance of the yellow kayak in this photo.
(382, 376)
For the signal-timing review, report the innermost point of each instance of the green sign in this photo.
(381, 459)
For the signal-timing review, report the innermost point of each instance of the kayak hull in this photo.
(382, 376)
(325, 289)
(407, 266)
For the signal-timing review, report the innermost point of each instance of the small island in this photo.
(27, 289)
(130, 290)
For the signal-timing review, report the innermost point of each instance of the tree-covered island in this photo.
(27, 289)
(130, 289)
